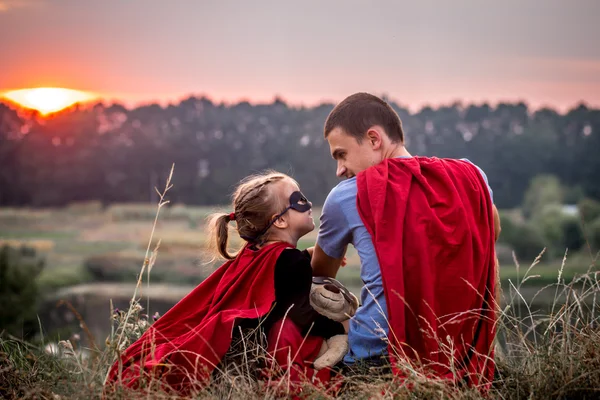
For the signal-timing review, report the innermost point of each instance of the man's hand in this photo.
(323, 265)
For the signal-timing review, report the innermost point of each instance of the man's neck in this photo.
(397, 150)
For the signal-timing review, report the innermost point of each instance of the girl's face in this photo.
(298, 223)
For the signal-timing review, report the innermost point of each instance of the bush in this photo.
(543, 190)
(62, 276)
(594, 234)
(574, 194)
(525, 240)
(560, 231)
(509, 228)
(589, 210)
(573, 238)
(18, 290)
(113, 268)
(168, 269)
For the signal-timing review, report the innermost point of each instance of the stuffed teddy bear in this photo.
(330, 298)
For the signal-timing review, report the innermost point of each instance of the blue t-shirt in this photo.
(340, 226)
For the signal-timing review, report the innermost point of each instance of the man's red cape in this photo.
(432, 226)
(185, 345)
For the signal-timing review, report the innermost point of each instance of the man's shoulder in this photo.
(476, 166)
(336, 218)
(343, 192)
(465, 160)
(340, 205)
(483, 175)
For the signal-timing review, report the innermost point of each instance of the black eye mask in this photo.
(298, 202)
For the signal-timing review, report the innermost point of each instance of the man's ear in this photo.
(374, 138)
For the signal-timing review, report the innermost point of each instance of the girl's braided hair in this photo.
(254, 203)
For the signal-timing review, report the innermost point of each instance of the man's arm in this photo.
(324, 265)
(495, 210)
(334, 235)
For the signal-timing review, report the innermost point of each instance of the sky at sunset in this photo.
(434, 52)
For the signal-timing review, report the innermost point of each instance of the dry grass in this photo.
(543, 355)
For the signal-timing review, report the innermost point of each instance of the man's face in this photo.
(351, 156)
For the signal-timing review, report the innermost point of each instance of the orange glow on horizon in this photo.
(47, 100)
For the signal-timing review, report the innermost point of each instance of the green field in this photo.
(85, 243)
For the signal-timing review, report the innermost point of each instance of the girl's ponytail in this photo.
(218, 225)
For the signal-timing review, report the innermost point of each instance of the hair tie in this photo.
(232, 216)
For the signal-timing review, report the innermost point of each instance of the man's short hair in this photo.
(359, 112)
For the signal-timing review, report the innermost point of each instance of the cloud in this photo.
(7, 5)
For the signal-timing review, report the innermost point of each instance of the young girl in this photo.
(268, 280)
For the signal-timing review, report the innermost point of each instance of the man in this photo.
(424, 229)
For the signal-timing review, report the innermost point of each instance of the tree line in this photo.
(115, 154)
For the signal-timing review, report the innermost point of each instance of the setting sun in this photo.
(47, 100)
